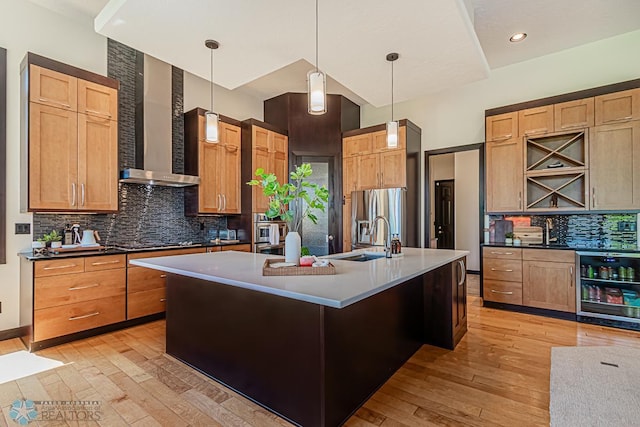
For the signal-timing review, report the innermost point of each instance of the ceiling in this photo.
(267, 48)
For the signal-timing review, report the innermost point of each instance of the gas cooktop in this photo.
(138, 246)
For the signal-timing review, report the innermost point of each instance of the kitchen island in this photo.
(310, 348)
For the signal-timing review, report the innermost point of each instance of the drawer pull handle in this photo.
(105, 262)
(99, 113)
(502, 253)
(506, 271)
(55, 102)
(502, 138)
(621, 119)
(84, 316)
(77, 288)
(163, 300)
(58, 267)
(501, 292)
(162, 276)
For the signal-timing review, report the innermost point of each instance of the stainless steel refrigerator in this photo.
(390, 203)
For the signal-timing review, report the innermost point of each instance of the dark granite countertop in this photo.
(563, 247)
(116, 250)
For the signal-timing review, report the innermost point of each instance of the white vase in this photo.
(292, 245)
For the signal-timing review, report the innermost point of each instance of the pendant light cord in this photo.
(392, 90)
(317, 36)
(211, 83)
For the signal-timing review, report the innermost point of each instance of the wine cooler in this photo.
(608, 288)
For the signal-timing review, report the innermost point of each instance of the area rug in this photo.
(21, 364)
(595, 386)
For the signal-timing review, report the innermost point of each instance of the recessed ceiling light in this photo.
(517, 37)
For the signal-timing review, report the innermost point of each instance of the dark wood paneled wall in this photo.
(3, 156)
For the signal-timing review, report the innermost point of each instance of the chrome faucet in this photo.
(387, 243)
(548, 225)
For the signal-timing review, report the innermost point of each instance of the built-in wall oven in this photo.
(269, 235)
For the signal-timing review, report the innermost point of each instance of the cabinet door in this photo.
(279, 156)
(259, 159)
(368, 171)
(379, 140)
(574, 114)
(97, 100)
(537, 120)
(51, 88)
(346, 225)
(349, 175)
(393, 169)
(211, 159)
(502, 127)
(614, 153)
(617, 107)
(53, 158)
(505, 175)
(357, 145)
(97, 163)
(549, 285)
(230, 174)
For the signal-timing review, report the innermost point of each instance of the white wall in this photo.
(466, 202)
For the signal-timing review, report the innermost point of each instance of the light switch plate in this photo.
(23, 228)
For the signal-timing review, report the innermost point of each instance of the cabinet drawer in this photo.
(145, 303)
(501, 253)
(549, 255)
(107, 262)
(241, 248)
(55, 291)
(57, 321)
(506, 292)
(503, 269)
(56, 267)
(168, 252)
(144, 279)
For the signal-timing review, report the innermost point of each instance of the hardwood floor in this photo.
(498, 375)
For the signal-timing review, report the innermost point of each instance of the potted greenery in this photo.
(49, 239)
(292, 202)
(508, 238)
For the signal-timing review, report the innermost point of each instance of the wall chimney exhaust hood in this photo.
(153, 118)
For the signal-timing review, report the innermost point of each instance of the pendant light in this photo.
(211, 118)
(317, 84)
(392, 126)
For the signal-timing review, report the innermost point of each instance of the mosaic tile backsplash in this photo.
(148, 215)
(615, 231)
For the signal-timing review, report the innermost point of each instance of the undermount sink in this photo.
(362, 257)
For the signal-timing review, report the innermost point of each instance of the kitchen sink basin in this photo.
(361, 257)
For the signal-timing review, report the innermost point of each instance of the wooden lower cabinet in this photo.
(147, 302)
(501, 291)
(502, 275)
(76, 294)
(242, 247)
(548, 279)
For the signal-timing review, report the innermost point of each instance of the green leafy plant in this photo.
(508, 235)
(295, 200)
(51, 237)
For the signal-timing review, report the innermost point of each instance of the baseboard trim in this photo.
(13, 333)
(531, 310)
(473, 271)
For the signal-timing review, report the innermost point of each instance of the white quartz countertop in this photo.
(353, 281)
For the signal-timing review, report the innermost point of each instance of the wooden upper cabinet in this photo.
(270, 151)
(52, 88)
(368, 171)
(357, 145)
(502, 127)
(97, 163)
(97, 100)
(53, 158)
(505, 175)
(231, 184)
(574, 114)
(617, 107)
(614, 153)
(537, 120)
(210, 159)
(349, 175)
(393, 169)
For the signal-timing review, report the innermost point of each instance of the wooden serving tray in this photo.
(78, 249)
(267, 270)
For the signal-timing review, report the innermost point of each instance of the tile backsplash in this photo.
(615, 231)
(147, 215)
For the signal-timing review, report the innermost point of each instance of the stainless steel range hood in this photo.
(154, 128)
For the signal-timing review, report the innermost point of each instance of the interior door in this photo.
(445, 214)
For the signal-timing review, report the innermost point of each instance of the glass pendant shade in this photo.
(211, 126)
(392, 134)
(317, 92)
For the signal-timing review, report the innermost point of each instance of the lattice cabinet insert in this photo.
(556, 171)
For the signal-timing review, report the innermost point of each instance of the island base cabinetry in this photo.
(311, 364)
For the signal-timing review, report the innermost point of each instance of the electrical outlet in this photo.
(23, 228)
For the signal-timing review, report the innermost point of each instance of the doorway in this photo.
(445, 214)
(319, 237)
